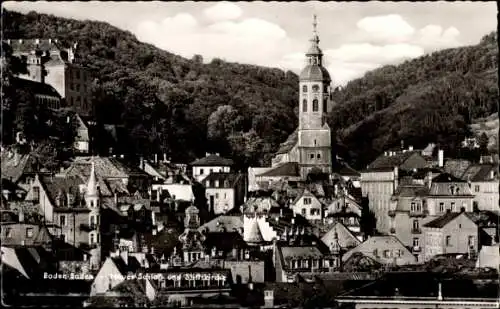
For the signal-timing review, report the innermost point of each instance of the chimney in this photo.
(207, 154)
(385, 153)
(429, 179)
(141, 163)
(116, 198)
(441, 158)
(37, 41)
(122, 156)
(156, 158)
(396, 177)
(410, 148)
(440, 293)
(164, 157)
(50, 41)
(217, 154)
(21, 216)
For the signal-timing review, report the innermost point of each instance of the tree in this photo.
(368, 219)
(222, 123)
(483, 143)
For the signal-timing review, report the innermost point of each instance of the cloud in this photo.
(392, 28)
(230, 40)
(433, 37)
(223, 11)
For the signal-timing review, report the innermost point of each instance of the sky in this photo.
(355, 36)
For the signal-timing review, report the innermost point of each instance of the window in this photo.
(448, 241)
(412, 207)
(8, 232)
(303, 211)
(312, 156)
(216, 184)
(154, 194)
(29, 232)
(387, 253)
(62, 220)
(325, 105)
(452, 208)
(441, 207)
(78, 87)
(307, 200)
(63, 238)
(225, 195)
(315, 88)
(216, 195)
(207, 183)
(304, 88)
(36, 194)
(211, 170)
(415, 242)
(315, 105)
(476, 188)
(415, 224)
(318, 156)
(92, 238)
(304, 105)
(471, 241)
(201, 171)
(315, 142)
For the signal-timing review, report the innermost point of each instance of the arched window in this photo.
(304, 88)
(325, 104)
(315, 105)
(304, 105)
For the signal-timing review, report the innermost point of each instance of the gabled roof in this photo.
(105, 167)
(346, 170)
(290, 169)
(446, 177)
(254, 235)
(60, 187)
(301, 252)
(304, 193)
(442, 221)
(290, 142)
(345, 237)
(456, 167)
(376, 242)
(226, 180)
(212, 160)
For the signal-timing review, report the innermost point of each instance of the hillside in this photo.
(164, 101)
(429, 99)
(488, 126)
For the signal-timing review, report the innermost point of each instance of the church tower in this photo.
(314, 136)
(92, 201)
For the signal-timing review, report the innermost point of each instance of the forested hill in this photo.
(429, 99)
(171, 104)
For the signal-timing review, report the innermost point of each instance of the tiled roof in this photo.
(442, 221)
(14, 165)
(290, 169)
(456, 167)
(290, 142)
(314, 72)
(306, 251)
(388, 162)
(481, 172)
(224, 241)
(375, 242)
(229, 223)
(303, 193)
(450, 189)
(60, 187)
(412, 191)
(358, 261)
(226, 180)
(346, 170)
(41, 234)
(213, 160)
(105, 167)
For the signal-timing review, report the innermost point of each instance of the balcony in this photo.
(416, 249)
(416, 231)
(88, 227)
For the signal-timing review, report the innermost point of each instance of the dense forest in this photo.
(185, 107)
(169, 104)
(429, 99)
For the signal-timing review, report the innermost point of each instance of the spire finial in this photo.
(315, 23)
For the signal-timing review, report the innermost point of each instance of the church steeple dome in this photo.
(314, 71)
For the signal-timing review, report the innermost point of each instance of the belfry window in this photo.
(315, 105)
(304, 88)
(304, 105)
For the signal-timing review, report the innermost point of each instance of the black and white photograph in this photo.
(227, 154)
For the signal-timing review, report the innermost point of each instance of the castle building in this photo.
(48, 62)
(310, 144)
